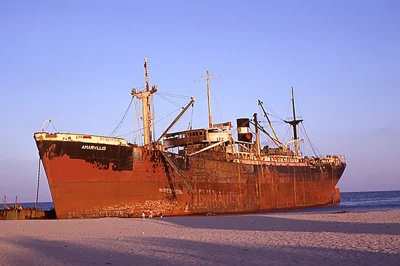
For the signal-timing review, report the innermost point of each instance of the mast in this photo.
(147, 111)
(294, 123)
(294, 119)
(209, 100)
(210, 125)
(258, 152)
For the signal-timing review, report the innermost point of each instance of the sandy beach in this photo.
(351, 238)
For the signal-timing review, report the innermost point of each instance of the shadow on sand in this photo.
(166, 251)
(269, 223)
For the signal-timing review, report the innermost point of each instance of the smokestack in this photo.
(243, 128)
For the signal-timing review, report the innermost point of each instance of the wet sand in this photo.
(359, 238)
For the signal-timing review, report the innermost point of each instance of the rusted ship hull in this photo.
(114, 180)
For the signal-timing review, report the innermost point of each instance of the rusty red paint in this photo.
(124, 181)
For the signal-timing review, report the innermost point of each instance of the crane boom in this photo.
(184, 109)
(261, 128)
(260, 103)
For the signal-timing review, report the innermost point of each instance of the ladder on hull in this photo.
(179, 173)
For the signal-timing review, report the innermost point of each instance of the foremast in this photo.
(146, 96)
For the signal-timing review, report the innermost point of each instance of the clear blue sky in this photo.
(76, 61)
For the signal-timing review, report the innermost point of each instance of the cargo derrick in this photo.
(194, 171)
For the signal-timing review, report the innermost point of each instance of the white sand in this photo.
(366, 238)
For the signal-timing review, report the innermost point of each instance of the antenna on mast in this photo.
(210, 125)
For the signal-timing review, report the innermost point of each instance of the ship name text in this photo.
(170, 191)
(93, 147)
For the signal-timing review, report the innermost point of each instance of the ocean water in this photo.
(350, 201)
(361, 201)
(45, 206)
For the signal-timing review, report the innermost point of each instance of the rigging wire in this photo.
(275, 115)
(287, 131)
(180, 107)
(170, 101)
(219, 109)
(128, 133)
(137, 120)
(53, 126)
(122, 120)
(47, 127)
(278, 122)
(316, 152)
(163, 96)
(313, 147)
(288, 113)
(139, 129)
(308, 141)
(272, 122)
(173, 95)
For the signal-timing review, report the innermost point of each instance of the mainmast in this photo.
(210, 124)
(294, 123)
(147, 111)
